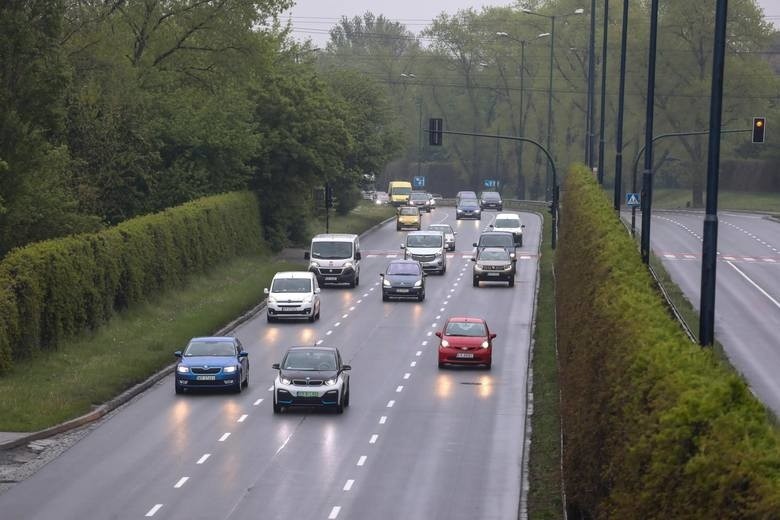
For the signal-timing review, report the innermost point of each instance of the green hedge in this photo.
(654, 426)
(55, 289)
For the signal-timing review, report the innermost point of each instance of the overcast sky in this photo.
(314, 18)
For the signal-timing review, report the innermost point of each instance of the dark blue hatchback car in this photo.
(216, 362)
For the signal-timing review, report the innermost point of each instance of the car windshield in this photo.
(490, 195)
(409, 211)
(331, 250)
(210, 348)
(469, 203)
(467, 195)
(418, 196)
(291, 285)
(310, 360)
(423, 240)
(405, 268)
(497, 240)
(401, 191)
(507, 223)
(463, 328)
(494, 254)
(441, 227)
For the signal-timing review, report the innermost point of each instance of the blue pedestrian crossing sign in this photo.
(418, 181)
(490, 183)
(632, 200)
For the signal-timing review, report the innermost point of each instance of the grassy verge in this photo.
(736, 200)
(544, 466)
(358, 220)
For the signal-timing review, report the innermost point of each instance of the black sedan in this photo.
(311, 376)
(468, 208)
(403, 279)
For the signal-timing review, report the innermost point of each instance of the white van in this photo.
(335, 258)
(293, 294)
(428, 248)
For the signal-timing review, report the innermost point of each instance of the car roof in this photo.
(294, 274)
(403, 261)
(313, 347)
(326, 237)
(492, 249)
(214, 339)
(431, 226)
(466, 319)
(495, 233)
(425, 232)
(508, 215)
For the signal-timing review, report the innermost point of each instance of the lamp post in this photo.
(602, 107)
(647, 174)
(522, 43)
(621, 102)
(591, 86)
(410, 75)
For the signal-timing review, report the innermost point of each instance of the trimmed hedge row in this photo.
(54, 289)
(654, 426)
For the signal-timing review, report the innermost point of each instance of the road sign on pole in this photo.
(418, 181)
(490, 183)
(633, 200)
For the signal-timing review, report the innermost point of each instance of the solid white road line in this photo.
(754, 284)
(348, 485)
(203, 458)
(242, 418)
(373, 439)
(334, 513)
(153, 510)
(390, 403)
(257, 403)
(383, 419)
(181, 482)
(224, 437)
(361, 460)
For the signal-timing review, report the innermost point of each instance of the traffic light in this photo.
(759, 126)
(328, 196)
(435, 128)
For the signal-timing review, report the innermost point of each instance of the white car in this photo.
(313, 377)
(511, 223)
(449, 234)
(293, 294)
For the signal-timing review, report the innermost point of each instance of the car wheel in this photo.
(511, 282)
(421, 297)
(489, 364)
(398, 228)
(521, 242)
(384, 297)
(441, 365)
(346, 398)
(178, 389)
(246, 380)
(475, 282)
(269, 318)
(239, 386)
(340, 406)
(317, 317)
(277, 408)
(357, 280)
(311, 318)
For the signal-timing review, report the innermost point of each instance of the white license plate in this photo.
(493, 274)
(403, 290)
(331, 278)
(206, 378)
(464, 355)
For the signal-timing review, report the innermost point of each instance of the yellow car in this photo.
(408, 217)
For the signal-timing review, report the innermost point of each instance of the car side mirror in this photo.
(358, 256)
(522, 225)
(346, 367)
(265, 291)
(306, 255)
(381, 275)
(492, 335)
(243, 354)
(473, 259)
(403, 246)
(491, 226)
(177, 353)
(275, 366)
(475, 244)
(438, 334)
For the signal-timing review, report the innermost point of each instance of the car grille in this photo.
(424, 258)
(201, 370)
(330, 271)
(307, 382)
(494, 267)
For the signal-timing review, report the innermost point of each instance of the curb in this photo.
(141, 387)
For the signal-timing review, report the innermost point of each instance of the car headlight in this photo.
(314, 264)
(485, 344)
(285, 381)
(378, 201)
(508, 267)
(478, 267)
(229, 370)
(330, 382)
(386, 283)
(307, 299)
(418, 283)
(348, 265)
(272, 300)
(182, 369)
(445, 343)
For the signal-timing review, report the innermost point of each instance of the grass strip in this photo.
(92, 368)
(365, 215)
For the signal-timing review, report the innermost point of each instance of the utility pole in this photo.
(621, 103)
(647, 174)
(603, 109)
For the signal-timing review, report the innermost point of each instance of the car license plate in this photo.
(403, 290)
(206, 378)
(330, 278)
(464, 355)
(308, 394)
(493, 274)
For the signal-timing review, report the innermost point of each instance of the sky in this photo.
(312, 19)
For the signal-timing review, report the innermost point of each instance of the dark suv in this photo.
(421, 200)
(501, 239)
(491, 200)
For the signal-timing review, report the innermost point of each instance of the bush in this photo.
(54, 289)
(654, 426)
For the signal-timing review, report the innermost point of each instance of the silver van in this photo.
(335, 259)
(427, 247)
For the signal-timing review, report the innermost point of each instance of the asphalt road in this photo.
(416, 442)
(747, 294)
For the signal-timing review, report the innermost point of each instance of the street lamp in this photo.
(621, 105)
(410, 75)
(522, 43)
(603, 91)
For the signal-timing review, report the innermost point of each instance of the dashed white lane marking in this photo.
(345, 315)
(419, 353)
(730, 258)
(689, 257)
(672, 257)
(433, 325)
(359, 301)
(271, 388)
(257, 403)
(349, 484)
(441, 310)
(525, 257)
(181, 482)
(399, 389)
(350, 309)
(413, 364)
(365, 295)
(334, 513)
(429, 333)
(390, 403)
(337, 324)
(438, 317)
(153, 510)
(748, 259)
(407, 375)
(770, 260)
(372, 289)
(371, 256)
(424, 342)
(452, 290)
(224, 437)
(373, 439)
(361, 460)
(376, 283)
(242, 418)
(383, 419)
(204, 458)
(329, 333)
(319, 342)
(456, 283)
(754, 284)
(391, 256)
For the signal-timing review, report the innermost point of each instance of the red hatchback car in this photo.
(466, 341)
